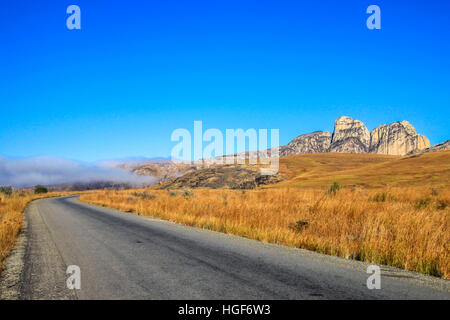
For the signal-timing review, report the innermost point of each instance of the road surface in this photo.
(125, 256)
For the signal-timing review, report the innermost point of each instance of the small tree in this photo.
(40, 189)
(6, 190)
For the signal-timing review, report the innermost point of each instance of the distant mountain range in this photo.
(349, 136)
(352, 136)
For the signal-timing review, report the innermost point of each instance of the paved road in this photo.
(124, 256)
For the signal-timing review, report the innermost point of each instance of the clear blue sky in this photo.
(137, 70)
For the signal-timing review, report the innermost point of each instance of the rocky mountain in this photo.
(438, 147)
(316, 142)
(398, 138)
(352, 136)
(222, 177)
(163, 171)
(349, 136)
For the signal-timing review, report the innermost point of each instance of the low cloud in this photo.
(57, 171)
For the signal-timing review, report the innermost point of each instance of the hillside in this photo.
(164, 170)
(349, 136)
(390, 155)
(222, 177)
(320, 170)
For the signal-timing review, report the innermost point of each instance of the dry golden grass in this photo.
(11, 217)
(371, 171)
(401, 227)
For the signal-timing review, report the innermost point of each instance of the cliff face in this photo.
(316, 142)
(398, 138)
(352, 136)
(436, 148)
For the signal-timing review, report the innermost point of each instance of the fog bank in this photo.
(29, 172)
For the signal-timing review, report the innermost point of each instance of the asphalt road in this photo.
(125, 256)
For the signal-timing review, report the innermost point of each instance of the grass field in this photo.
(370, 171)
(11, 217)
(391, 210)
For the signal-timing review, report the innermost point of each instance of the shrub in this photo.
(334, 188)
(6, 190)
(382, 197)
(441, 205)
(40, 189)
(187, 193)
(379, 197)
(144, 195)
(423, 203)
(299, 226)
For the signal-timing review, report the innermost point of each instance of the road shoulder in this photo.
(35, 268)
(10, 277)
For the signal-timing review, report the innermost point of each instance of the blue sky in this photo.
(137, 70)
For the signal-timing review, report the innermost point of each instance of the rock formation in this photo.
(222, 177)
(398, 138)
(438, 147)
(350, 136)
(316, 142)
